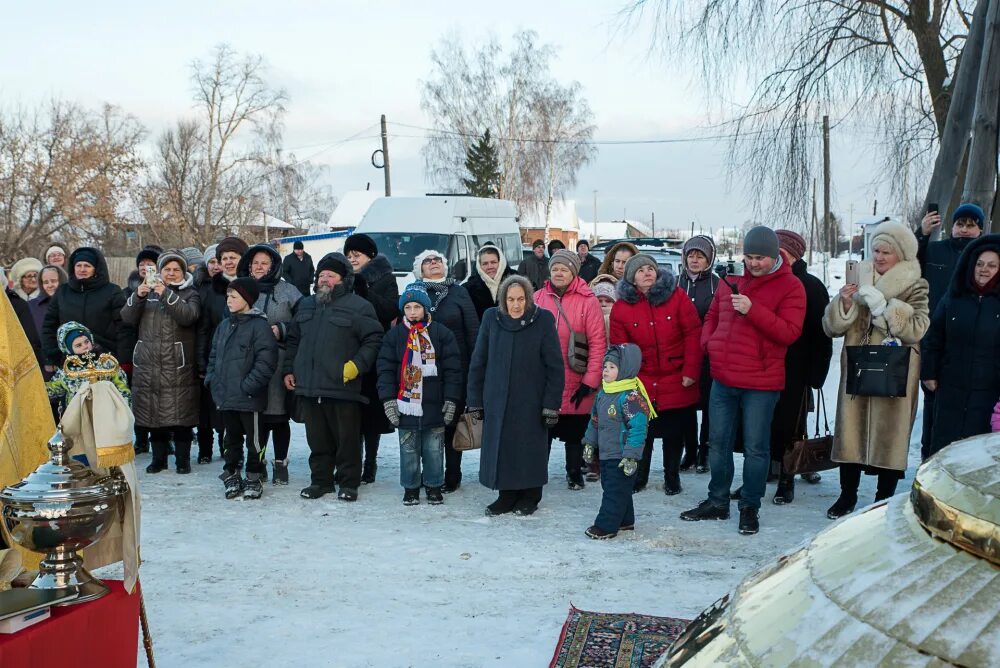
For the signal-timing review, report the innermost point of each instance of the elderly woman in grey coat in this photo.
(516, 382)
(165, 381)
(278, 300)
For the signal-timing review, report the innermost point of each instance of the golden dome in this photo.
(877, 588)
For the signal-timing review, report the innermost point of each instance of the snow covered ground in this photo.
(286, 581)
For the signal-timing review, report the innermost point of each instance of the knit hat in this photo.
(192, 255)
(362, 243)
(627, 357)
(298, 245)
(898, 236)
(230, 245)
(335, 262)
(604, 289)
(247, 288)
(419, 260)
(536, 243)
(54, 249)
(635, 263)
(567, 258)
(761, 240)
(702, 243)
(583, 242)
(792, 242)
(210, 254)
(416, 292)
(555, 245)
(171, 256)
(69, 332)
(969, 210)
(150, 252)
(88, 255)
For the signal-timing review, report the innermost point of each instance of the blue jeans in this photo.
(421, 445)
(616, 503)
(726, 407)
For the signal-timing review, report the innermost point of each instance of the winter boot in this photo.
(316, 491)
(280, 474)
(706, 510)
(368, 470)
(671, 475)
(348, 494)
(702, 465)
(812, 478)
(434, 496)
(159, 462)
(141, 441)
(504, 503)
(411, 497)
(233, 483)
(254, 486)
(182, 456)
(786, 490)
(597, 533)
(842, 506)
(594, 470)
(749, 524)
(574, 479)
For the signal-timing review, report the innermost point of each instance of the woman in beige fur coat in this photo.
(890, 298)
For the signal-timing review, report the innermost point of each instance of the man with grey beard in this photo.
(333, 339)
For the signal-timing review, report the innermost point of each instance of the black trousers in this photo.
(333, 430)
(668, 427)
(850, 480)
(570, 430)
(159, 440)
(209, 424)
(927, 424)
(276, 427)
(242, 428)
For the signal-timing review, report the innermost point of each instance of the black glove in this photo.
(581, 393)
(476, 413)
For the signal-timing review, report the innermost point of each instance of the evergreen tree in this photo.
(484, 168)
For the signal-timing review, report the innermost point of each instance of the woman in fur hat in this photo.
(452, 307)
(889, 301)
(516, 383)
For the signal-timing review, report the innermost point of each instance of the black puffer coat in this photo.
(165, 381)
(212, 292)
(325, 336)
(453, 308)
(445, 386)
(937, 263)
(376, 283)
(243, 360)
(95, 302)
(961, 351)
(298, 272)
(480, 294)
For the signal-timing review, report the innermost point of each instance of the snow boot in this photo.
(504, 503)
(749, 524)
(411, 497)
(706, 510)
(348, 494)
(434, 496)
(159, 462)
(842, 506)
(812, 478)
(594, 470)
(182, 456)
(574, 479)
(368, 471)
(597, 533)
(254, 487)
(233, 483)
(786, 490)
(279, 475)
(316, 491)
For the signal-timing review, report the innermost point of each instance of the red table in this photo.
(102, 633)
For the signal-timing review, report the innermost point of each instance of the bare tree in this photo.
(511, 93)
(885, 66)
(64, 175)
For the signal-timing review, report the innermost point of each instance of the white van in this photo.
(317, 245)
(456, 226)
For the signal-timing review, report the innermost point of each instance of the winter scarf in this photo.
(419, 360)
(492, 283)
(629, 385)
(438, 291)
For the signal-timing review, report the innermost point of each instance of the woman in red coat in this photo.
(654, 314)
(574, 306)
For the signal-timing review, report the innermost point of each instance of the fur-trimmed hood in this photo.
(962, 279)
(377, 268)
(664, 286)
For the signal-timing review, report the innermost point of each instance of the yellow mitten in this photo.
(350, 371)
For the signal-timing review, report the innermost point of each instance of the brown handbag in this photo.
(468, 433)
(809, 455)
(578, 351)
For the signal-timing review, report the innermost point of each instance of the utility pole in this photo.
(981, 177)
(385, 158)
(831, 246)
(594, 240)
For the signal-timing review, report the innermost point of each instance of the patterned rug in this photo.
(604, 639)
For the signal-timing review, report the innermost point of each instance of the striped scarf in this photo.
(419, 360)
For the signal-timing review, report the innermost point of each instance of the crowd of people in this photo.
(231, 344)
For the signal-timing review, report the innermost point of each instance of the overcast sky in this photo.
(345, 63)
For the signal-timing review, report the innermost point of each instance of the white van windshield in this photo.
(400, 248)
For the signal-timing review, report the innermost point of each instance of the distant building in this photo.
(614, 229)
(351, 209)
(564, 223)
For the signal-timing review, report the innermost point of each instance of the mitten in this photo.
(350, 371)
(628, 466)
(550, 417)
(581, 393)
(449, 412)
(872, 298)
(588, 453)
(391, 411)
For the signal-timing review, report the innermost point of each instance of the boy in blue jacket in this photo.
(617, 434)
(243, 358)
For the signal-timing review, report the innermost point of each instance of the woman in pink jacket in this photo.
(575, 309)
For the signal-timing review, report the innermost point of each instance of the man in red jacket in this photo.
(746, 333)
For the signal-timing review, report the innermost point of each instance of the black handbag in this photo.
(877, 371)
(809, 455)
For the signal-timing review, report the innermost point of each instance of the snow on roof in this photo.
(351, 208)
(616, 229)
(562, 215)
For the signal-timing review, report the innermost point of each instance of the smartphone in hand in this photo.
(852, 272)
(151, 277)
(932, 207)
